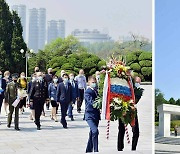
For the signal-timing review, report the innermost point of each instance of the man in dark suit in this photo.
(2, 89)
(135, 128)
(38, 95)
(64, 97)
(92, 115)
(75, 95)
(60, 79)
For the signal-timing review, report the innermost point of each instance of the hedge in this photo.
(145, 63)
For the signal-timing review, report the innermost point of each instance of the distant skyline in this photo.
(117, 17)
(167, 48)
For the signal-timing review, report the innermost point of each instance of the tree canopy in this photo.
(11, 40)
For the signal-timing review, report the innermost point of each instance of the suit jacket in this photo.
(90, 112)
(11, 92)
(39, 90)
(75, 91)
(48, 78)
(64, 95)
(60, 80)
(3, 86)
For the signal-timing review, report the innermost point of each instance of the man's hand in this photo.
(31, 102)
(77, 98)
(58, 103)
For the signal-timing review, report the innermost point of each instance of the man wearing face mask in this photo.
(135, 128)
(60, 79)
(48, 79)
(81, 80)
(33, 78)
(11, 95)
(38, 95)
(2, 89)
(75, 95)
(92, 115)
(64, 97)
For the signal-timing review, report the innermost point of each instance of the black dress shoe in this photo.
(65, 127)
(17, 129)
(8, 126)
(72, 119)
(39, 128)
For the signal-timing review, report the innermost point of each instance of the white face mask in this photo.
(55, 80)
(71, 77)
(22, 76)
(0, 76)
(40, 78)
(65, 80)
(137, 85)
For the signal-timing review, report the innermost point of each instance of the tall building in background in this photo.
(61, 28)
(33, 29)
(41, 28)
(37, 29)
(55, 29)
(52, 33)
(21, 11)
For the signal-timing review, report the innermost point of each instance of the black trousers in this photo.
(121, 133)
(38, 105)
(81, 98)
(64, 108)
(1, 101)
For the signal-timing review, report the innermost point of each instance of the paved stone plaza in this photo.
(166, 145)
(53, 139)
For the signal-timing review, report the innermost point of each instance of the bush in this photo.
(101, 63)
(92, 71)
(146, 71)
(175, 122)
(130, 58)
(136, 67)
(145, 63)
(145, 56)
(88, 63)
(67, 66)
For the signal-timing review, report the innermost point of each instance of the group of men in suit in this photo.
(67, 94)
(69, 91)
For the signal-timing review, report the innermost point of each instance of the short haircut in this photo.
(6, 72)
(55, 76)
(65, 74)
(91, 78)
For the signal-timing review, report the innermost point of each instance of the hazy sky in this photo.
(167, 47)
(118, 16)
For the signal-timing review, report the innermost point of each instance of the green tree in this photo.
(11, 40)
(141, 63)
(172, 101)
(178, 102)
(17, 44)
(6, 26)
(159, 99)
